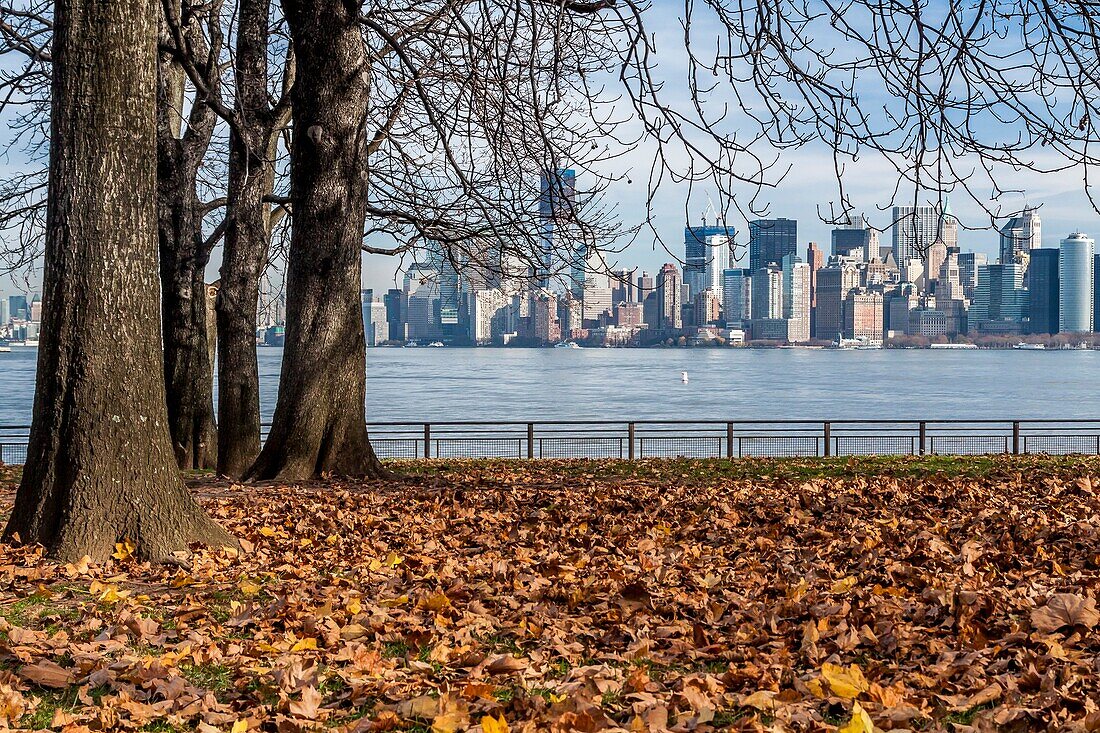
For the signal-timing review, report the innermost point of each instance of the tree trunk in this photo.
(184, 254)
(99, 462)
(320, 424)
(246, 244)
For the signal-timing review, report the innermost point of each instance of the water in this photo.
(624, 384)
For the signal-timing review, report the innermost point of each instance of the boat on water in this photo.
(953, 346)
(567, 345)
(4, 345)
(1030, 347)
(436, 344)
(857, 344)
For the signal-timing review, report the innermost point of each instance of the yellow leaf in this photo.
(124, 549)
(814, 686)
(354, 606)
(761, 700)
(495, 725)
(249, 588)
(304, 644)
(847, 683)
(239, 727)
(393, 559)
(556, 698)
(860, 722)
(843, 585)
(267, 531)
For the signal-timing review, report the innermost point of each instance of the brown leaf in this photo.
(1065, 609)
(47, 674)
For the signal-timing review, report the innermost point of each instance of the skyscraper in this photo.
(1020, 235)
(668, 297)
(796, 298)
(916, 228)
(557, 210)
(734, 304)
(770, 240)
(624, 287)
(856, 239)
(767, 293)
(834, 282)
(969, 262)
(815, 258)
(1043, 291)
(646, 285)
(1075, 296)
(706, 253)
(1000, 299)
(18, 308)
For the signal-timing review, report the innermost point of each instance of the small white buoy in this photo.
(684, 377)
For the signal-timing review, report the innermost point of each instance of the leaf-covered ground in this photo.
(935, 594)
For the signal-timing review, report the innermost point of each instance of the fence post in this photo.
(1015, 437)
(923, 436)
(530, 440)
(427, 440)
(630, 441)
(828, 431)
(729, 440)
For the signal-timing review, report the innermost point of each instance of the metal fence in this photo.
(705, 438)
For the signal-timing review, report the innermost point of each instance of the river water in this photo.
(727, 384)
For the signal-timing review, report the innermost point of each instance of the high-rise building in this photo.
(735, 306)
(669, 297)
(487, 309)
(1075, 296)
(557, 213)
(706, 254)
(969, 262)
(856, 239)
(1043, 291)
(796, 299)
(1000, 299)
(544, 317)
(396, 309)
(18, 309)
(767, 293)
(948, 283)
(1020, 235)
(834, 282)
(4, 316)
(863, 315)
(770, 240)
(916, 228)
(646, 285)
(624, 286)
(933, 261)
(815, 258)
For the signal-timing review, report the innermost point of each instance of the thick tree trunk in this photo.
(99, 463)
(246, 244)
(320, 424)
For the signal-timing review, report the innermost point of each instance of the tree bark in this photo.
(184, 254)
(319, 425)
(247, 237)
(99, 462)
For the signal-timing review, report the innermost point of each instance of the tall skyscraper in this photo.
(557, 211)
(18, 308)
(796, 298)
(1020, 235)
(916, 228)
(668, 297)
(624, 287)
(834, 282)
(1043, 291)
(646, 285)
(969, 262)
(706, 253)
(767, 293)
(1075, 296)
(735, 307)
(815, 258)
(863, 313)
(770, 240)
(1000, 299)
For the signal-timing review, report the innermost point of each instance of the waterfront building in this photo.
(669, 297)
(596, 302)
(796, 298)
(18, 309)
(488, 317)
(769, 329)
(1043, 291)
(646, 285)
(767, 294)
(1020, 235)
(706, 254)
(815, 258)
(736, 283)
(834, 282)
(1000, 300)
(707, 308)
(948, 281)
(856, 240)
(546, 328)
(4, 316)
(1075, 296)
(863, 315)
(571, 315)
(770, 240)
(916, 228)
(928, 322)
(629, 315)
(899, 305)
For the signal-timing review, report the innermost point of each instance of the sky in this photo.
(810, 187)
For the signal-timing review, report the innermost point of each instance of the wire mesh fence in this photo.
(601, 439)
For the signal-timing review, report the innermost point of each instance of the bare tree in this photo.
(99, 463)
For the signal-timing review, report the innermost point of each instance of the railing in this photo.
(705, 438)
